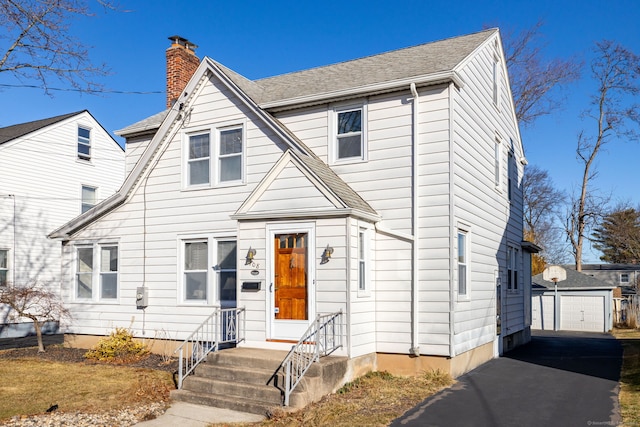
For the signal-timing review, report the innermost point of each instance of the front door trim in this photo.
(289, 329)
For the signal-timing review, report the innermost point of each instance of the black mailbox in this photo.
(250, 286)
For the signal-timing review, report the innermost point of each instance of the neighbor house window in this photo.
(226, 273)
(195, 270)
(198, 163)
(350, 138)
(230, 154)
(362, 260)
(88, 198)
(512, 270)
(624, 277)
(4, 267)
(462, 263)
(84, 143)
(97, 264)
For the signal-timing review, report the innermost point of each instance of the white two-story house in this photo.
(387, 187)
(51, 170)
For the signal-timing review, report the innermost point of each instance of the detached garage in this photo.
(584, 303)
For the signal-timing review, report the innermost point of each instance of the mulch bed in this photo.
(58, 353)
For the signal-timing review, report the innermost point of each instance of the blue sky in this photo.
(260, 39)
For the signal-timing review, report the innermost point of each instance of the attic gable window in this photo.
(84, 143)
(350, 134)
(230, 154)
(198, 164)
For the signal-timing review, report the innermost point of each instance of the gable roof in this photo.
(432, 62)
(12, 132)
(575, 281)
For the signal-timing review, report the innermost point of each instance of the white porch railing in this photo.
(323, 337)
(223, 326)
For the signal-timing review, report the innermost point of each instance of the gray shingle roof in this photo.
(150, 123)
(575, 280)
(10, 133)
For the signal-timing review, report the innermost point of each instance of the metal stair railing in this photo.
(223, 326)
(323, 337)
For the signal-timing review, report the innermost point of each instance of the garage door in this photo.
(542, 312)
(582, 313)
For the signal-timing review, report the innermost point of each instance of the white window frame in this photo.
(97, 273)
(215, 157)
(6, 268)
(510, 168)
(333, 132)
(513, 261)
(83, 202)
(465, 234)
(621, 277)
(85, 142)
(363, 257)
(212, 270)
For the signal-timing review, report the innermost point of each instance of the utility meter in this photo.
(142, 297)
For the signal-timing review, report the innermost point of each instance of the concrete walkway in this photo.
(189, 415)
(559, 379)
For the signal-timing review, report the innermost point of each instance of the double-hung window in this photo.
(512, 268)
(4, 267)
(198, 163)
(88, 198)
(209, 270)
(350, 142)
(97, 272)
(84, 143)
(362, 260)
(196, 263)
(624, 277)
(215, 157)
(497, 163)
(462, 264)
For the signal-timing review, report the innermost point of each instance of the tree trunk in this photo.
(38, 328)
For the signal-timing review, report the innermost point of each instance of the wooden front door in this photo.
(290, 291)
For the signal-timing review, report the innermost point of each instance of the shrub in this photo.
(118, 347)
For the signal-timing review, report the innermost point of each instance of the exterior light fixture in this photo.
(250, 254)
(326, 255)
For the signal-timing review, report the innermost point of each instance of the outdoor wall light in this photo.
(250, 254)
(326, 254)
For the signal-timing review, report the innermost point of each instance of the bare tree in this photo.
(542, 203)
(533, 79)
(36, 44)
(35, 302)
(616, 72)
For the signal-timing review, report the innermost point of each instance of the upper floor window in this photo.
(362, 260)
(4, 267)
(495, 90)
(497, 163)
(512, 268)
(510, 168)
(350, 134)
(624, 277)
(97, 272)
(88, 198)
(215, 162)
(84, 143)
(462, 263)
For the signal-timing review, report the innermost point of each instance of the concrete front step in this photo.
(250, 378)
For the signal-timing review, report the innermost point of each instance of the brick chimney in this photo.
(182, 62)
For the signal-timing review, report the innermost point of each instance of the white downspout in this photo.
(415, 303)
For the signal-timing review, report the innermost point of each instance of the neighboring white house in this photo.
(51, 171)
(388, 187)
(584, 303)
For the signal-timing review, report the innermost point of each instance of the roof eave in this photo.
(330, 213)
(389, 86)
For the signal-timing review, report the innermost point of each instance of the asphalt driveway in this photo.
(558, 379)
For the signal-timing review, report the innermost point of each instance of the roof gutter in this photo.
(430, 79)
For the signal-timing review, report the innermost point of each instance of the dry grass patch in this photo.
(372, 400)
(629, 396)
(31, 386)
